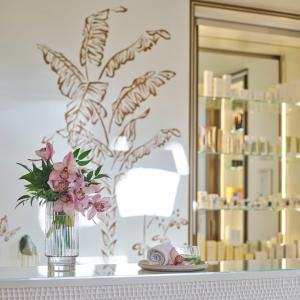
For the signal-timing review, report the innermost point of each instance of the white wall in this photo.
(32, 107)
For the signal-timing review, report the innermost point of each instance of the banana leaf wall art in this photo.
(87, 106)
(5, 232)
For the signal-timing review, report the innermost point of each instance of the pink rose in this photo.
(46, 153)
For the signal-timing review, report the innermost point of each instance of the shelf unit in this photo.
(214, 167)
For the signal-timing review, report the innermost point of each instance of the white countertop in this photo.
(265, 279)
(117, 273)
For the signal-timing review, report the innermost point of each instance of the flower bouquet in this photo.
(67, 188)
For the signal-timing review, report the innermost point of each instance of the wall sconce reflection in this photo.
(119, 143)
(146, 191)
(179, 157)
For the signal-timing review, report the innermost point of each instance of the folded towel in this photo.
(159, 254)
(164, 254)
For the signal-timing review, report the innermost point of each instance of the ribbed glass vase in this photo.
(61, 237)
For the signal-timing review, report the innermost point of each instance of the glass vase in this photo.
(61, 239)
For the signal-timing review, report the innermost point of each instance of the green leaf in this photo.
(101, 176)
(98, 170)
(49, 165)
(83, 162)
(44, 165)
(25, 167)
(21, 202)
(84, 154)
(36, 169)
(23, 197)
(28, 177)
(32, 199)
(76, 152)
(89, 176)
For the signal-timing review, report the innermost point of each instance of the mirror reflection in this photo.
(248, 144)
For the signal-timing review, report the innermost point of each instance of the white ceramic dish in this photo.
(145, 265)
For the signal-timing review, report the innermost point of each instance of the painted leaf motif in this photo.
(95, 34)
(104, 253)
(112, 229)
(136, 246)
(156, 237)
(93, 94)
(69, 77)
(129, 132)
(157, 141)
(86, 106)
(141, 89)
(3, 225)
(144, 43)
(105, 238)
(86, 97)
(111, 246)
(78, 138)
(99, 150)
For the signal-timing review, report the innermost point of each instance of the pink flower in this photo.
(65, 203)
(58, 185)
(65, 171)
(99, 207)
(81, 198)
(93, 189)
(46, 153)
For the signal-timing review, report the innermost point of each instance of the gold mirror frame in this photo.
(193, 91)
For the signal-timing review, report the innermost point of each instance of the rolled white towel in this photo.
(159, 254)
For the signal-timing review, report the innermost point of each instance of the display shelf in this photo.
(251, 209)
(288, 156)
(245, 104)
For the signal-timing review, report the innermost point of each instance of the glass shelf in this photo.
(251, 209)
(246, 104)
(260, 156)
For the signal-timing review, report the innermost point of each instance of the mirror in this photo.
(245, 94)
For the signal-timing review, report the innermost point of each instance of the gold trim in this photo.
(193, 105)
(248, 9)
(241, 53)
(193, 131)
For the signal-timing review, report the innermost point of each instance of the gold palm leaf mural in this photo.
(87, 104)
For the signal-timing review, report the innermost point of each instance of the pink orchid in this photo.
(79, 179)
(99, 207)
(59, 186)
(46, 153)
(65, 171)
(93, 189)
(81, 198)
(65, 203)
